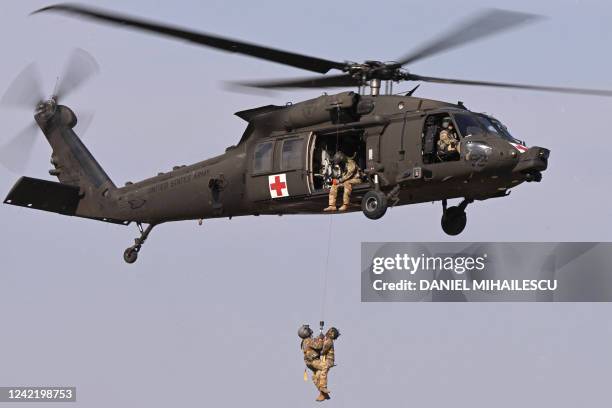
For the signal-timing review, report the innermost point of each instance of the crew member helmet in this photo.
(304, 331)
(333, 333)
(339, 158)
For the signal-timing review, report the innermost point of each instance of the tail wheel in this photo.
(130, 255)
(374, 204)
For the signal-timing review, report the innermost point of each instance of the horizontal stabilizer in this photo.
(44, 195)
(50, 196)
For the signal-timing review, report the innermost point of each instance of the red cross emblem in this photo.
(278, 186)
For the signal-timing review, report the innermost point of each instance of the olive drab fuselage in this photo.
(392, 129)
(281, 166)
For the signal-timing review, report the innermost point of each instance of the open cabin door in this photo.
(279, 168)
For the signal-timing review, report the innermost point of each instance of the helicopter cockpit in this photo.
(443, 132)
(471, 123)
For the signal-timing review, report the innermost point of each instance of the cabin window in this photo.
(262, 157)
(292, 154)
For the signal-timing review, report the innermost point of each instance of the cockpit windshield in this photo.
(470, 124)
(496, 127)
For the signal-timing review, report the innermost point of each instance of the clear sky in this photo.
(208, 315)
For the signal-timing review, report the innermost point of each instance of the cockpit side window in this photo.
(440, 141)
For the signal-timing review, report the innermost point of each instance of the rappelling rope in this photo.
(326, 269)
(329, 240)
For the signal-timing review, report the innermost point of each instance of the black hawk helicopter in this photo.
(281, 164)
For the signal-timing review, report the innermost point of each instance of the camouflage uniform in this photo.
(448, 143)
(312, 352)
(349, 177)
(328, 359)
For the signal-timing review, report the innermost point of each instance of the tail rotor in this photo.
(26, 92)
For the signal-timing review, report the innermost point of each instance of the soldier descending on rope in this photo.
(319, 357)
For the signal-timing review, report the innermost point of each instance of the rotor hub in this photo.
(382, 71)
(46, 109)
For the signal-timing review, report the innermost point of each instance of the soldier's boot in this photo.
(327, 396)
(321, 397)
(346, 198)
(345, 203)
(333, 193)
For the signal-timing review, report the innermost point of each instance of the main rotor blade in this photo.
(80, 67)
(329, 81)
(579, 91)
(482, 25)
(15, 154)
(26, 90)
(209, 40)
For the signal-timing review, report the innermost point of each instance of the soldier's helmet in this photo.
(446, 122)
(339, 158)
(304, 331)
(333, 333)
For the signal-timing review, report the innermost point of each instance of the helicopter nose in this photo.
(532, 163)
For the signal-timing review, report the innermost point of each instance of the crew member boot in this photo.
(321, 397)
(333, 194)
(345, 204)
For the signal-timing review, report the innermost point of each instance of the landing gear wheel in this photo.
(130, 255)
(454, 220)
(374, 204)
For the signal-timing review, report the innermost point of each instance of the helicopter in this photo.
(281, 164)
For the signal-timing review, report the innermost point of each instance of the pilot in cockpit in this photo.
(448, 142)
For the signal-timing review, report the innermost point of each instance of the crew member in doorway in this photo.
(351, 174)
(312, 347)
